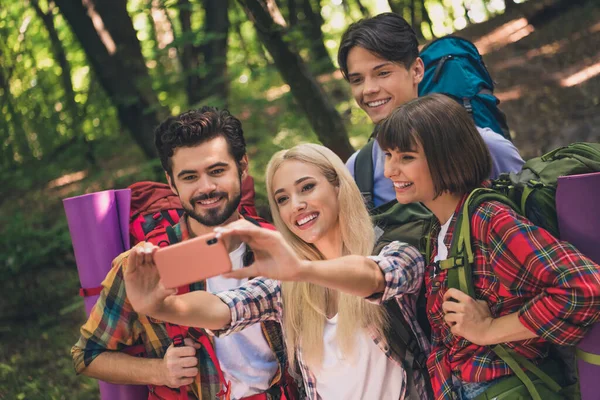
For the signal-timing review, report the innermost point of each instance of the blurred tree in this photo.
(319, 110)
(311, 24)
(18, 143)
(105, 31)
(427, 18)
(509, 5)
(363, 10)
(415, 12)
(71, 105)
(204, 57)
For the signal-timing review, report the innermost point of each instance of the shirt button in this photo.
(437, 285)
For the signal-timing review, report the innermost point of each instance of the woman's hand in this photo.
(273, 257)
(467, 317)
(144, 289)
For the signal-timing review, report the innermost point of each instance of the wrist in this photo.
(159, 372)
(489, 337)
(305, 270)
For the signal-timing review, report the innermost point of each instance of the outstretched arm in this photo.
(274, 258)
(148, 296)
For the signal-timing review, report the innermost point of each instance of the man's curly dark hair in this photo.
(194, 127)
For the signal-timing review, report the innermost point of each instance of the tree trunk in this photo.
(292, 13)
(415, 22)
(205, 65)
(321, 60)
(18, 140)
(509, 5)
(59, 55)
(190, 54)
(427, 18)
(363, 10)
(61, 58)
(397, 7)
(321, 114)
(216, 29)
(106, 33)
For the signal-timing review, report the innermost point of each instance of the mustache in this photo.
(208, 196)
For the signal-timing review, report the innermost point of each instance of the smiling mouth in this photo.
(377, 103)
(402, 185)
(209, 202)
(305, 220)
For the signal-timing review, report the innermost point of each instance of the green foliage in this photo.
(27, 245)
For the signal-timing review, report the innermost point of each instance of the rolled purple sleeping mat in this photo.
(577, 199)
(99, 228)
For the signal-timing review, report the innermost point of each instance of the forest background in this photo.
(83, 83)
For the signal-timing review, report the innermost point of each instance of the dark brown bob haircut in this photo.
(458, 158)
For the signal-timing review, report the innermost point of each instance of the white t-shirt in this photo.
(366, 374)
(245, 357)
(442, 250)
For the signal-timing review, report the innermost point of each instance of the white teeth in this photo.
(209, 201)
(402, 185)
(377, 103)
(306, 219)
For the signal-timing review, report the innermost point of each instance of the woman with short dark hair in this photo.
(531, 290)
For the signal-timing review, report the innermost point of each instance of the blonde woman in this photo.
(315, 277)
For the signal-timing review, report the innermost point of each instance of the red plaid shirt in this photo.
(520, 268)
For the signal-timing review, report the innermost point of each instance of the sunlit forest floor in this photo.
(548, 74)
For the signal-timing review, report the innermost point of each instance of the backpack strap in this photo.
(401, 334)
(404, 344)
(173, 234)
(363, 174)
(459, 265)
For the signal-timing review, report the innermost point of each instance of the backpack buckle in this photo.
(178, 341)
(453, 262)
(534, 184)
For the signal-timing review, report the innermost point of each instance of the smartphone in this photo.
(192, 260)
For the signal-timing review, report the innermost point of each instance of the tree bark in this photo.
(321, 114)
(427, 18)
(59, 54)
(18, 140)
(191, 56)
(397, 7)
(205, 65)
(312, 28)
(363, 10)
(416, 17)
(509, 5)
(216, 23)
(292, 12)
(106, 33)
(66, 78)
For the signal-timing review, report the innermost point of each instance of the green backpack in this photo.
(408, 223)
(531, 193)
(533, 189)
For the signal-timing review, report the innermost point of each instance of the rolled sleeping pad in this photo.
(577, 198)
(99, 228)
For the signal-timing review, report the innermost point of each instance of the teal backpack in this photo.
(530, 193)
(454, 67)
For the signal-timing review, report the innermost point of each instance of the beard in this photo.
(217, 216)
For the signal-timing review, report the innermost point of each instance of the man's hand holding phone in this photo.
(145, 291)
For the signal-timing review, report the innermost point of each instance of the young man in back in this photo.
(379, 57)
(203, 153)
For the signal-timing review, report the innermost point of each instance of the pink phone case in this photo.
(192, 260)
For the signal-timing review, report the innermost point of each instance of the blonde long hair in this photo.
(305, 305)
